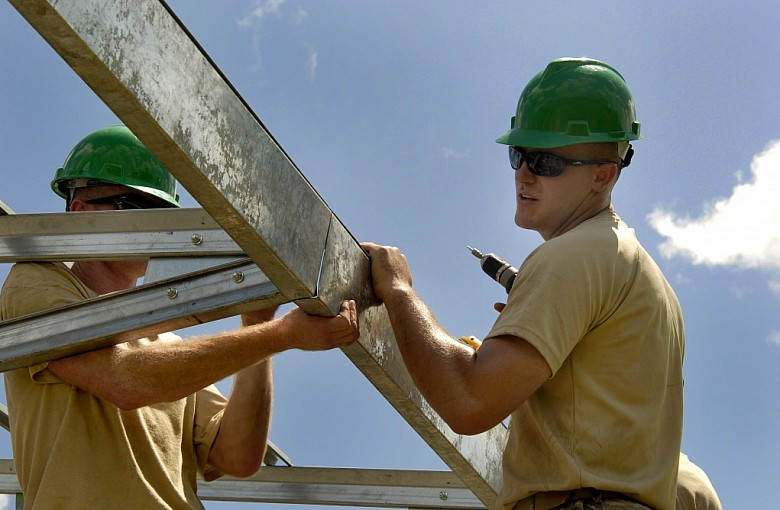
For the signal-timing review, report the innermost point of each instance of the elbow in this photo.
(470, 414)
(239, 462)
(469, 421)
(468, 426)
(244, 470)
(127, 397)
(127, 401)
(239, 467)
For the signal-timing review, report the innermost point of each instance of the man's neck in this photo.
(101, 277)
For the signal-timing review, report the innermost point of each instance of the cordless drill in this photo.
(496, 268)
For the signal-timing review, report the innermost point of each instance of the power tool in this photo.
(496, 268)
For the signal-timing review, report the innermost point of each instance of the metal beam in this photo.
(326, 486)
(151, 309)
(114, 235)
(144, 65)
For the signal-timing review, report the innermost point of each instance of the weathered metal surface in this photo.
(95, 222)
(345, 271)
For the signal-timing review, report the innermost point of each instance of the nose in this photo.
(523, 175)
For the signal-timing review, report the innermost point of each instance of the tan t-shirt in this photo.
(694, 489)
(599, 310)
(73, 450)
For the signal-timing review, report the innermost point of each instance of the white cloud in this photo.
(300, 15)
(311, 62)
(773, 338)
(451, 153)
(742, 230)
(260, 9)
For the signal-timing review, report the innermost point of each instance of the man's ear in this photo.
(77, 204)
(604, 175)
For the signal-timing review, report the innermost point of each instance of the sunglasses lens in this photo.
(538, 163)
(124, 202)
(132, 203)
(548, 165)
(515, 158)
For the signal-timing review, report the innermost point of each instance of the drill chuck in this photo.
(496, 268)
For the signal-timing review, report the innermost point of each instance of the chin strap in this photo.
(627, 158)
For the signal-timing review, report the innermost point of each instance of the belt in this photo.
(551, 500)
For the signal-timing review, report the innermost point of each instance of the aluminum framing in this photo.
(326, 486)
(135, 55)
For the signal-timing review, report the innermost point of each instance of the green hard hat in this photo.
(573, 101)
(115, 155)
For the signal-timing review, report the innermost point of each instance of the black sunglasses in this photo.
(546, 164)
(125, 201)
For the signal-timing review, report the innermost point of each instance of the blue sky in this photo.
(391, 109)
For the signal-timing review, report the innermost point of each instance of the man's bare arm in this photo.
(471, 390)
(167, 371)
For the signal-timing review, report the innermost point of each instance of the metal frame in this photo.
(326, 486)
(135, 56)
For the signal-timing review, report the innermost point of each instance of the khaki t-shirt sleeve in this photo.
(209, 407)
(35, 287)
(551, 302)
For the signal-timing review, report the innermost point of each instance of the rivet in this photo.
(238, 277)
(443, 496)
(172, 293)
(196, 239)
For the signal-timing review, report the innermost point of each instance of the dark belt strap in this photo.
(550, 500)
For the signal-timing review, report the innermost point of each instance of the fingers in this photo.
(351, 329)
(389, 269)
(316, 333)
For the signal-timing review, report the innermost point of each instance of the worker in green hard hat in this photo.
(586, 355)
(115, 156)
(134, 425)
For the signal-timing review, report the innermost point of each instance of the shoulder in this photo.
(36, 286)
(37, 274)
(598, 241)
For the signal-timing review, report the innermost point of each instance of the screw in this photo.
(196, 239)
(172, 293)
(443, 496)
(238, 277)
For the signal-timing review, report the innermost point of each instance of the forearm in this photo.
(441, 367)
(132, 377)
(243, 434)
